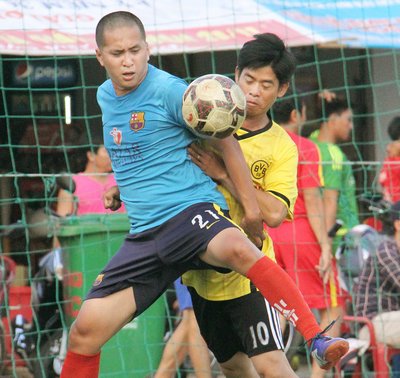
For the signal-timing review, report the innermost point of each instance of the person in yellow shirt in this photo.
(239, 326)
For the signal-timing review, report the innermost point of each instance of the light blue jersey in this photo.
(147, 141)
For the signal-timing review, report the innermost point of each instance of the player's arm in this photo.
(274, 211)
(332, 183)
(239, 175)
(232, 172)
(330, 199)
(278, 188)
(316, 217)
(65, 203)
(112, 199)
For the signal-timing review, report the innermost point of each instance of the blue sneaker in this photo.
(328, 350)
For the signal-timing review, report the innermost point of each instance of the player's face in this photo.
(100, 160)
(343, 124)
(261, 87)
(124, 55)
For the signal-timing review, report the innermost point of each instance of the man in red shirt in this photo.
(302, 247)
(389, 177)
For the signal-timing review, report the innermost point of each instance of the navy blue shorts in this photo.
(247, 324)
(152, 260)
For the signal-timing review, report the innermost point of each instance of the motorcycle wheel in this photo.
(50, 349)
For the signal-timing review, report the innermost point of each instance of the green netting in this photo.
(37, 145)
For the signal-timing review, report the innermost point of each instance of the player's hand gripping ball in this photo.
(214, 106)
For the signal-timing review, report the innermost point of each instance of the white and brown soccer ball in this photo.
(214, 106)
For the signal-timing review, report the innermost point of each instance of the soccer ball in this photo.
(214, 106)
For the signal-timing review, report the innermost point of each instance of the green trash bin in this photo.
(88, 242)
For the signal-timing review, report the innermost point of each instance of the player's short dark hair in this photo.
(91, 141)
(267, 49)
(88, 142)
(282, 109)
(394, 128)
(334, 106)
(117, 19)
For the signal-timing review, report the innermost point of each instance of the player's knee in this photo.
(237, 372)
(243, 253)
(238, 366)
(273, 365)
(230, 372)
(79, 332)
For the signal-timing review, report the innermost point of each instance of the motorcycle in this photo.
(42, 344)
(7, 275)
(357, 245)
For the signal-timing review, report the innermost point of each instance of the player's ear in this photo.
(90, 156)
(99, 57)
(237, 74)
(148, 51)
(293, 116)
(283, 89)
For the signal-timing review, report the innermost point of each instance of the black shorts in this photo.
(246, 324)
(151, 260)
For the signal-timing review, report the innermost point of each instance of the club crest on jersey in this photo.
(117, 135)
(137, 121)
(98, 280)
(259, 168)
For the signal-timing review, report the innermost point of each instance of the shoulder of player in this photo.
(307, 148)
(164, 79)
(285, 140)
(273, 134)
(330, 149)
(336, 152)
(105, 89)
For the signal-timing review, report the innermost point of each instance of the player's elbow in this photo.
(274, 218)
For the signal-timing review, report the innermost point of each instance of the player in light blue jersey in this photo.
(147, 140)
(179, 220)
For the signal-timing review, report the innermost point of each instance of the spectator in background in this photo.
(339, 193)
(389, 177)
(91, 183)
(302, 247)
(185, 341)
(377, 294)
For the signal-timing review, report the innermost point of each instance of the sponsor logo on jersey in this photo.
(98, 280)
(117, 135)
(137, 121)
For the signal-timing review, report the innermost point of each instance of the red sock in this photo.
(283, 294)
(81, 366)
